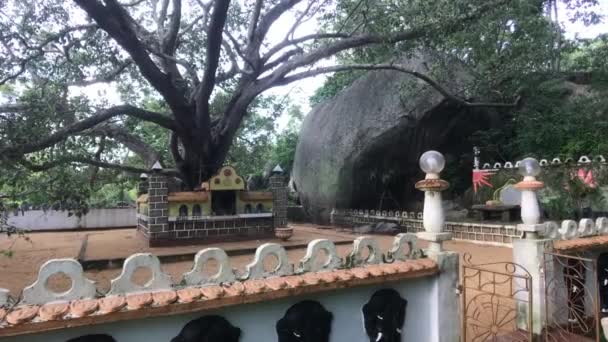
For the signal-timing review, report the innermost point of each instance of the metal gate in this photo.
(571, 298)
(492, 296)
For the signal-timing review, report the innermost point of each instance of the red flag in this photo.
(481, 178)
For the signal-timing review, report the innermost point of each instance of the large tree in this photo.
(204, 62)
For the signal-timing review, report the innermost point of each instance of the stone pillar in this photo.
(158, 202)
(528, 252)
(279, 200)
(433, 217)
(445, 302)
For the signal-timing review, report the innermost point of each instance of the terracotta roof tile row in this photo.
(581, 243)
(24, 319)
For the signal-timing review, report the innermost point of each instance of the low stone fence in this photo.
(34, 220)
(250, 305)
(411, 222)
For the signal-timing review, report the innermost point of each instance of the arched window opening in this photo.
(183, 211)
(259, 208)
(196, 210)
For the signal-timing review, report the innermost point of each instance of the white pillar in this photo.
(528, 252)
(433, 220)
(445, 302)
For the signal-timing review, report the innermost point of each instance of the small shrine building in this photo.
(222, 210)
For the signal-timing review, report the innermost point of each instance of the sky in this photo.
(299, 92)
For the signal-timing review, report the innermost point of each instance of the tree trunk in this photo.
(196, 166)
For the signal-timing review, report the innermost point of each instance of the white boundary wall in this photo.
(257, 321)
(95, 218)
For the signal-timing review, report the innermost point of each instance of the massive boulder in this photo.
(360, 149)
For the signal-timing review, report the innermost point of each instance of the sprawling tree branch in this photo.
(87, 123)
(253, 22)
(78, 160)
(109, 77)
(331, 49)
(39, 49)
(266, 21)
(295, 41)
(214, 49)
(113, 19)
(126, 138)
(442, 90)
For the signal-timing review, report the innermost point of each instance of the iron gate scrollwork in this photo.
(492, 296)
(572, 305)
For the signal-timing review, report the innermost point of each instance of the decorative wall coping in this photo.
(570, 229)
(581, 243)
(548, 162)
(41, 309)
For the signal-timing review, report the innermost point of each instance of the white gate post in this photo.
(445, 301)
(529, 251)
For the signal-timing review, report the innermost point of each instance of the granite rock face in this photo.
(360, 149)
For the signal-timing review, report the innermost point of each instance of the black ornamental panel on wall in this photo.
(306, 321)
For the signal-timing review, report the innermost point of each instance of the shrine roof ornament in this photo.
(277, 169)
(226, 179)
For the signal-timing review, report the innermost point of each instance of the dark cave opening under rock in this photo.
(382, 176)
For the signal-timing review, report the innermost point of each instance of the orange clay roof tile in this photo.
(189, 294)
(83, 307)
(328, 277)
(213, 292)
(376, 270)
(581, 243)
(294, 281)
(310, 278)
(360, 272)
(22, 314)
(234, 289)
(138, 300)
(111, 304)
(276, 283)
(53, 311)
(163, 298)
(344, 275)
(194, 299)
(256, 286)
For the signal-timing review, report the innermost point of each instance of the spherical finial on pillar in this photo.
(529, 168)
(530, 212)
(432, 163)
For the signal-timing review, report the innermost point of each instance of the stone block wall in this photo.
(158, 206)
(212, 230)
(279, 199)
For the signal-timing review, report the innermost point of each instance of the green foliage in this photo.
(333, 85)
(554, 123)
(498, 50)
(10, 231)
(589, 55)
(284, 150)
